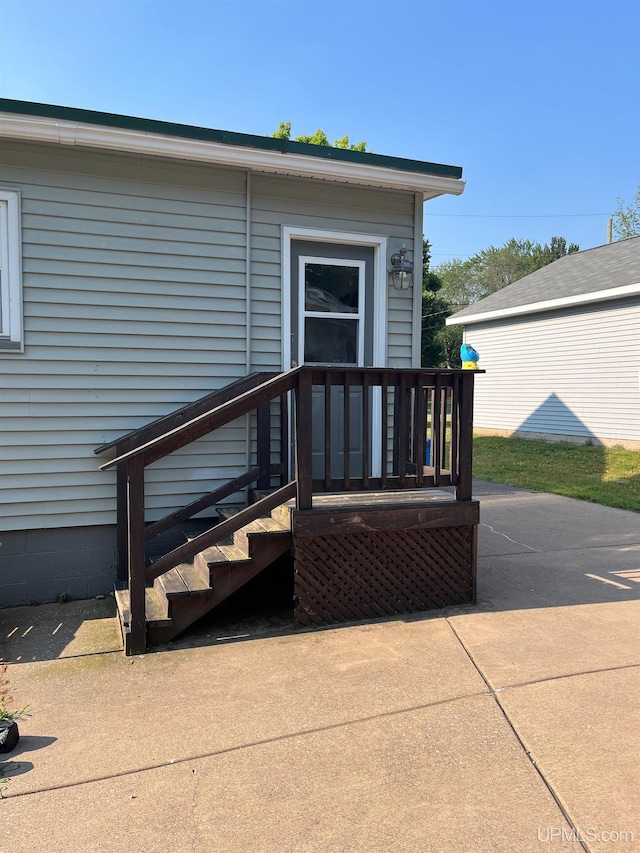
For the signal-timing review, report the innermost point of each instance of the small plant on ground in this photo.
(7, 716)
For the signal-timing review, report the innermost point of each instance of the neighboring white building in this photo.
(145, 264)
(561, 348)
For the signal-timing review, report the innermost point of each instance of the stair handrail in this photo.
(179, 436)
(160, 425)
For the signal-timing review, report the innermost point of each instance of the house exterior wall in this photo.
(571, 373)
(277, 201)
(121, 259)
(134, 280)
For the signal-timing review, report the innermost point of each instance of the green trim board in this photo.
(245, 140)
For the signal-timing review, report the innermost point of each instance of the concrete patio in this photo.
(511, 725)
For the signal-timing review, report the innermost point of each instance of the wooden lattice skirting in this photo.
(372, 574)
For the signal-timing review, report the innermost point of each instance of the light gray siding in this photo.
(278, 201)
(134, 277)
(571, 372)
(134, 304)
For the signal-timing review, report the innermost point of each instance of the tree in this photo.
(464, 282)
(557, 248)
(626, 220)
(434, 311)
(318, 138)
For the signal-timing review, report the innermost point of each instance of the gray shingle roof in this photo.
(591, 271)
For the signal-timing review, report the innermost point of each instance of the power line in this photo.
(516, 215)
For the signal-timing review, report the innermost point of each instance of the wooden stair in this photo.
(185, 593)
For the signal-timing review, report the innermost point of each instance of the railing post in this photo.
(420, 431)
(328, 388)
(455, 422)
(366, 432)
(384, 425)
(465, 438)
(264, 446)
(402, 428)
(285, 449)
(437, 427)
(303, 441)
(122, 524)
(346, 441)
(137, 636)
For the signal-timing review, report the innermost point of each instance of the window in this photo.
(10, 272)
(332, 310)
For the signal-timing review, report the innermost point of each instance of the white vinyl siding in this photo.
(572, 372)
(278, 201)
(134, 305)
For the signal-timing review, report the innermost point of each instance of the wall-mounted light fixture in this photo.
(401, 270)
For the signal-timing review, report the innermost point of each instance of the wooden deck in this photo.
(363, 556)
(379, 536)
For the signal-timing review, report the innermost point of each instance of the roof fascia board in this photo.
(247, 140)
(547, 305)
(62, 132)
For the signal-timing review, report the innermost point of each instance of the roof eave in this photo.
(546, 305)
(126, 140)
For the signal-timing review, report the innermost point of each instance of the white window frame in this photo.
(329, 315)
(11, 330)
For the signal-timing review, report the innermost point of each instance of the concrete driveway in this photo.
(512, 725)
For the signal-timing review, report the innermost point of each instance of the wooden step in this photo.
(154, 611)
(233, 554)
(184, 581)
(254, 534)
(282, 514)
(185, 593)
(218, 556)
(226, 579)
(228, 510)
(159, 626)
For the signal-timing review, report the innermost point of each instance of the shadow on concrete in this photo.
(10, 767)
(30, 743)
(540, 550)
(52, 631)
(13, 768)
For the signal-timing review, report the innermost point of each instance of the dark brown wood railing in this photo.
(403, 416)
(354, 430)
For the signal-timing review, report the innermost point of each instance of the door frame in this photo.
(319, 235)
(379, 330)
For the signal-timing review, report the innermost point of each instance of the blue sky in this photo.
(537, 100)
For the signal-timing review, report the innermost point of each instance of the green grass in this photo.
(603, 475)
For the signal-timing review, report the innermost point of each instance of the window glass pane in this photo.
(331, 288)
(330, 341)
